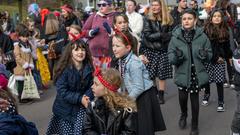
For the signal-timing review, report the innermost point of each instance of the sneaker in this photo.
(220, 107)
(225, 85)
(205, 99)
(232, 86)
(233, 133)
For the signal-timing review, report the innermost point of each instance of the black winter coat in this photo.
(71, 86)
(155, 36)
(100, 120)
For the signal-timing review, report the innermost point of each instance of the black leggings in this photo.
(183, 101)
(219, 90)
(20, 85)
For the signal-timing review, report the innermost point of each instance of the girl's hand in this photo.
(4, 104)
(144, 59)
(85, 101)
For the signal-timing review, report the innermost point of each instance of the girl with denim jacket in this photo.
(137, 84)
(73, 79)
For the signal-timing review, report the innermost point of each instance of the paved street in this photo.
(210, 122)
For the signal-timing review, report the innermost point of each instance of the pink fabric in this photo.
(99, 44)
(3, 81)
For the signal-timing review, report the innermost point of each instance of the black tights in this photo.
(20, 85)
(219, 90)
(183, 101)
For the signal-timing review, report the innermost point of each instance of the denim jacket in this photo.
(136, 77)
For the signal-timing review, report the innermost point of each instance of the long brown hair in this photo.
(52, 24)
(66, 58)
(114, 99)
(164, 15)
(217, 32)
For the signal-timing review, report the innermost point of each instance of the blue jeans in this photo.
(236, 118)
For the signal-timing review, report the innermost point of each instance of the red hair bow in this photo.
(109, 86)
(82, 34)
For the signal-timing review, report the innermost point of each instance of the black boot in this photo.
(194, 128)
(182, 121)
(161, 97)
(194, 131)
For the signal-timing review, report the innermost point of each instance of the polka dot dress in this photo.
(194, 88)
(63, 127)
(216, 72)
(158, 65)
(11, 108)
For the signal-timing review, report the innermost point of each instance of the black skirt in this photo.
(150, 117)
(158, 65)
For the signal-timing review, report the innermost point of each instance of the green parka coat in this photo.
(182, 76)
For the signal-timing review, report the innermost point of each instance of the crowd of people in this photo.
(109, 67)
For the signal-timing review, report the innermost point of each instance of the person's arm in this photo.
(87, 27)
(18, 58)
(174, 54)
(89, 128)
(137, 85)
(148, 32)
(89, 92)
(205, 53)
(63, 90)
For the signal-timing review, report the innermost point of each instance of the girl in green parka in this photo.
(189, 48)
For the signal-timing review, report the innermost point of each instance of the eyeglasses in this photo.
(102, 5)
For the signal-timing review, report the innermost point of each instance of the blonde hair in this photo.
(114, 99)
(52, 24)
(164, 16)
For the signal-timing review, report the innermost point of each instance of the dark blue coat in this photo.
(71, 85)
(16, 125)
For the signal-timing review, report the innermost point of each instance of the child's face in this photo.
(74, 32)
(188, 21)
(119, 49)
(23, 39)
(31, 26)
(217, 18)
(121, 24)
(78, 55)
(98, 88)
(65, 13)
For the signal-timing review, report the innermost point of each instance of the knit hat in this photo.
(3, 81)
(68, 8)
(106, 1)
